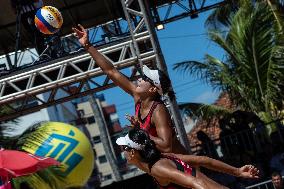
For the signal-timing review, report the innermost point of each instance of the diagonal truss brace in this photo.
(70, 76)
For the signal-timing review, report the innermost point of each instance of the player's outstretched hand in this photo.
(82, 34)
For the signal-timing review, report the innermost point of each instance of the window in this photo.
(81, 113)
(108, 177)
(113, 117)
(102, 159)
(91, 120)
(96, 139)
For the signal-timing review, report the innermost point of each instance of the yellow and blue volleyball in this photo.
(48, 20)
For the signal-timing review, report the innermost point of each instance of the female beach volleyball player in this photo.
(152, 114)
(173, 171)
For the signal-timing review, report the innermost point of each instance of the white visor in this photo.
(126, 141)
(154, 76)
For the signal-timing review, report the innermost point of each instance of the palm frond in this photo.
(274, 94)
(190, 109)
(217, 37)
(204, 111)
(252, 71)
(211, 111)
(213, 71)
(33, 136)
(7, 129)
(5, 110)
(220, 17)
(275, 7)
(209, 70)
(50, 178)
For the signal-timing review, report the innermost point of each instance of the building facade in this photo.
(111, 121)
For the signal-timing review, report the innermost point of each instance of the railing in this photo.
(248, 140)
(263, 185)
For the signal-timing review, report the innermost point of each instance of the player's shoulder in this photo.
(160, 108)
(162, 166)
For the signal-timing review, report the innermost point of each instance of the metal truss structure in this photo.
(179, 9)
(69, 75)
(19, 90)
(162, 12)
(102, 35)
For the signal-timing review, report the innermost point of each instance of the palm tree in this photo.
(252, 72)
(204, 111)
(6, 129)
(221, 15)
(50, 178)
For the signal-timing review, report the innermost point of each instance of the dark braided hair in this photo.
(166, 85)
(149, 154)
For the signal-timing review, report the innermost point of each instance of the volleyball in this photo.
(48, 20)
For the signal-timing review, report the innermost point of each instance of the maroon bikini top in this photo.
(145, 123)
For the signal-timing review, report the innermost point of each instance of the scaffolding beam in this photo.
(19, 89)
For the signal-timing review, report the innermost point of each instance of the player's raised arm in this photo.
(118, 78)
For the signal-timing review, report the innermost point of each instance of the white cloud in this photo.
(207, 97)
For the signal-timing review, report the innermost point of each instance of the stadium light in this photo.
(160, 27)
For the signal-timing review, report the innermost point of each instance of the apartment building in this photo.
(111, 121)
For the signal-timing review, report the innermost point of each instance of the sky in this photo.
(182, 40)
